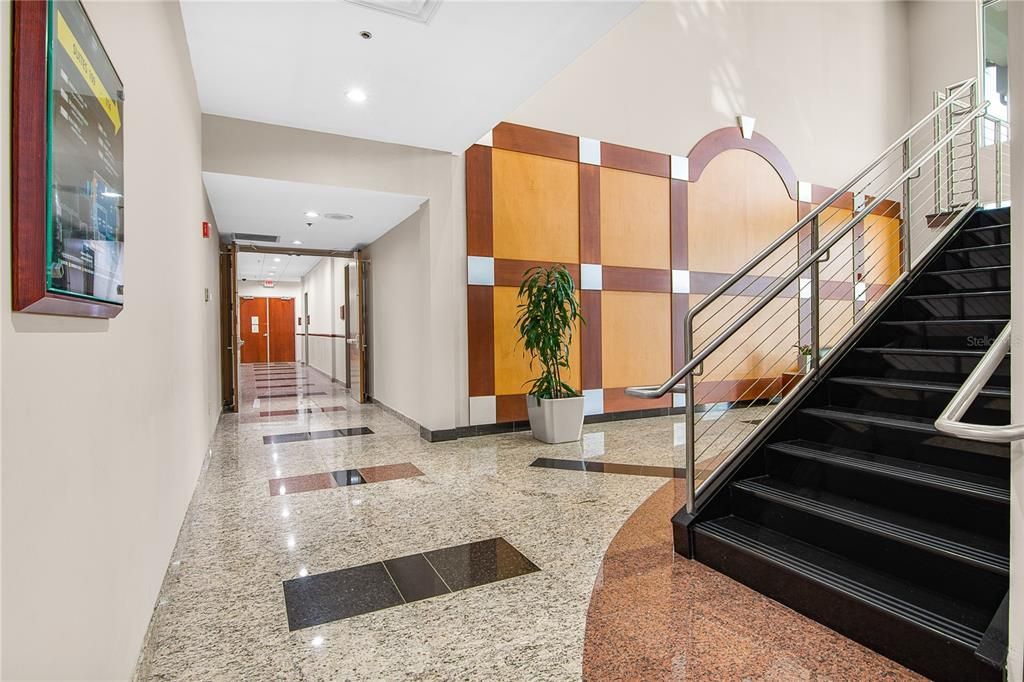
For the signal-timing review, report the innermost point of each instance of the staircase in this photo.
(855, 511)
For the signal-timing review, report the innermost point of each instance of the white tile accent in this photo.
(680, 281)
(747, 126)
(805, 287)
(487, 140)
(678, 400)
(860, 290)
(859, 201)
(679, 434)
(590, 277)
(593, 401)
(481, 270)
(803, 191)
(593, 444)
(680, 168)
(590, 151)
(483, 410)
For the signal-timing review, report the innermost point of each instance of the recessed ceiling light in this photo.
(338, 216)
(356, 95)
(277, 260)
(312, 214)
(297, 243)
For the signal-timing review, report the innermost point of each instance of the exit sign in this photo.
(268, 283)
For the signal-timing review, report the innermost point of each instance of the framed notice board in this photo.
(68, 222)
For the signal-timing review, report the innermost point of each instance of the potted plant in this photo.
(805, 351)
(548, 313)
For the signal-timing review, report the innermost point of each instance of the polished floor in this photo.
(327, 541)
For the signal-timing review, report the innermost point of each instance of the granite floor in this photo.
(327, 541)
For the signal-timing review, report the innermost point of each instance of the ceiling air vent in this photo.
(248, 237)
(417, 10)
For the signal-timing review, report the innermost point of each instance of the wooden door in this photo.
(252, 322)
(281, 315)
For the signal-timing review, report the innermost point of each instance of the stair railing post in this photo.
(815, 316)
(906, 260)
(937, 165)
(691, 439)
(999, 163)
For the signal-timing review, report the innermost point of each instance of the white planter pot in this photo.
(555, 421)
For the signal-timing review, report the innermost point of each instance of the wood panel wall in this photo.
(645, 239)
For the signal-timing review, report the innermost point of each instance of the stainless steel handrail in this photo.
(956, 123)
(950, 419)
(826, 204)
(782, 282)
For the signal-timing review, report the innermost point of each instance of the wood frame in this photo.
(29, 200)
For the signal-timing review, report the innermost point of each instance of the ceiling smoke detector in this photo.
(337, 216)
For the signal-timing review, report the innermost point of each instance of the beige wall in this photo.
(104, 425)
(943, 40)
(673, 71)
(325, 286)
(398, 377)
(268, 151)
(1015, 656)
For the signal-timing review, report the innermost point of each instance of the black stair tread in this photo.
(905, 422)
(924, 608)
(914, 385)
(958, 294)
(996, 320)
(925, 534)
(943, 478)
(923, 351)
(962, 271)
(979, 228)
(984, 247)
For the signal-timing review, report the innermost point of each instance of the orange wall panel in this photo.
(536, 207)
(636, 338)
(635, 224)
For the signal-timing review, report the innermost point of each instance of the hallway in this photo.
(226, 604)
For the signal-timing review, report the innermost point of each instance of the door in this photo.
(355, 331)
(253, 332)
(281, 318)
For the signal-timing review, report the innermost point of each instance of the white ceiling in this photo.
(277, 207)
(279, 267)
(439, 85)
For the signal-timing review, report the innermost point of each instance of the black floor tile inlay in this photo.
(415, 577)
(325, 597)
(290, 395)
(315, 435)
(347, 477)
(479, 563)
(304, 410)
(609, 467)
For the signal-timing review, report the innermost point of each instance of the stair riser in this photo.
(959, 336)
(986, 306)
(940, 450)
(972, 280)
(988, 237)
(992, 216)
(918, 403)
(947, 368)
(907, 643)
(877, 552)
(955, 260)
(953, 508)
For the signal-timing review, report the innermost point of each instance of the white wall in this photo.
(105, 424)
(817, 76)
(261, 150)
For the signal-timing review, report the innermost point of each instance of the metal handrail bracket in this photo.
(950, 421)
